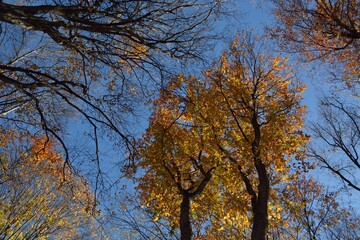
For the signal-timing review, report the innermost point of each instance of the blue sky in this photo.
(249, 16)
(252, 17)
(318, 82)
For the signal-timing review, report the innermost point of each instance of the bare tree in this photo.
(339, 135)
(87, 59)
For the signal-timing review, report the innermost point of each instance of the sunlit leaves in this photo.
(243, 119)
(40, 196)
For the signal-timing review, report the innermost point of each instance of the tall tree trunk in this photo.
(260, 210)
(185, 225)
(260, 206)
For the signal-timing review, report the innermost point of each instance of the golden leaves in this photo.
(40, 195)
(209, 123)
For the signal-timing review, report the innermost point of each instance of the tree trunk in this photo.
(260, 206)
(260, 211)
(185, 225)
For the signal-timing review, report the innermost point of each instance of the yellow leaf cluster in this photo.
(209, 123)
(40, 196)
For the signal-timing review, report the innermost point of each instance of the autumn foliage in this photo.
(223, 140)
(224, 155)
(40, 196)
(329, 30)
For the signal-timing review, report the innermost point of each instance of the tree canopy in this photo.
(39, 197)
(87, 58)
(224, 155)
(223, 141)
(326, 29)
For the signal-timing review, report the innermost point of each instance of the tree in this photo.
(338, 131)
(326, 29)
(329, 31)
(259, 98)
(242, 123)
(309, 211)
(132, 220)
(64, 58)
(176, 157)
(39, 197)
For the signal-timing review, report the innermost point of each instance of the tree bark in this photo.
(260, 210)
(260, 206)
(185, 225)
